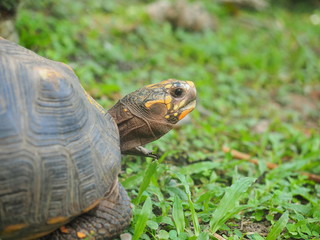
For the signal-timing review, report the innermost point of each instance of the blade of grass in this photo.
(152, 168)
(277, 228)
(142, 219)
(228, 204)
(177, 213)
(194, 215)
(256, 236)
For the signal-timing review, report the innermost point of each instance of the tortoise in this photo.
(60, 151)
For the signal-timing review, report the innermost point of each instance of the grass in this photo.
(258, 81)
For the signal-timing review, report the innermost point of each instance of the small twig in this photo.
(219, 237)
(313, 177)
(247, 157)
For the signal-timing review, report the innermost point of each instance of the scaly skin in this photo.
(147, 114)
(108, 219)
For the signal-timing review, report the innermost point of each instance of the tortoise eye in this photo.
(178, 92)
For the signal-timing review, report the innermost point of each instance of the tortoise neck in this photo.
(134, 129)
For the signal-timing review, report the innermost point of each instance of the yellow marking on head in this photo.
(168, 86)
(14, 227)
(168, 106)
(167, 116)
(168, 82)
(125, 110)
(151, 85)
(191, 84)
(175, 114)
(59, 219)
(181, 104)
(150, 103)
(167, 99)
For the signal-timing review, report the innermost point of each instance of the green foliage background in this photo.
(258, 81)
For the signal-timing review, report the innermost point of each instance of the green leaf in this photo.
(203, 236)
(177, 214)
(163, 234)
(142, 219)
(152, 224)
(228, 204)
(194, 215)
(277, 228)
(152, 168)
(256, 236)
(198, 167)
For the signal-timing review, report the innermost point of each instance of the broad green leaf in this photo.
(163, 234)
(152, 224)
(228, 204)
(203, 236)
(142, 219)
(152, 168)
(178, 215)
(256, 236)
(277, 228)
(198, 167)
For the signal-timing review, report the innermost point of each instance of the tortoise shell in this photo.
(58, 154)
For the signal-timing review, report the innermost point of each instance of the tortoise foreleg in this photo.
(111, 216)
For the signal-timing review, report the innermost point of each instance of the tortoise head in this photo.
(150, 112)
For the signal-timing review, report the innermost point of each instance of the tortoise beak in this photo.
(190, 102)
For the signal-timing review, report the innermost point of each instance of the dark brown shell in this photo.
(59, 151)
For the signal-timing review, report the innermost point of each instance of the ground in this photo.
(258, 80)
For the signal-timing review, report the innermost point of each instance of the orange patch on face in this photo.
(81, 235)
(184, 113)
(15, 227)
(59, 219)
